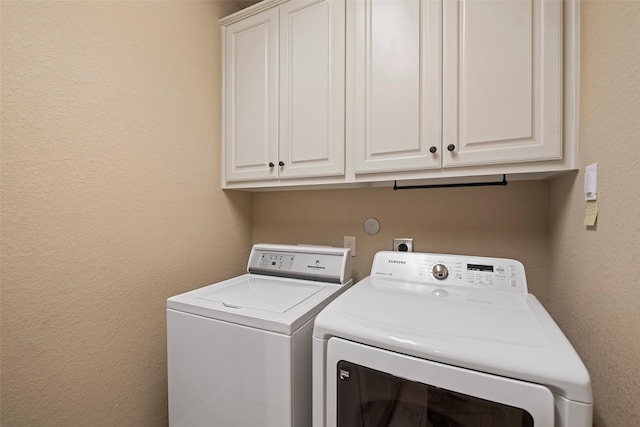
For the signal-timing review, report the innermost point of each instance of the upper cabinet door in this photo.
(394, 84)
(251, 98)
(502, 81)
(312, 88)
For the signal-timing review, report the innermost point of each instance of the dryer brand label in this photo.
(344, 374)
(396, 261)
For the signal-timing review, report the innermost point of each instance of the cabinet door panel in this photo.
(393, 58)
(251, 128)
(394, 74)
(312, 88)
(502, 96)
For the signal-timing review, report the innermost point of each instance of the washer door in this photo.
(368, 386)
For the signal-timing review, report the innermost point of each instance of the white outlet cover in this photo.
(350, 242)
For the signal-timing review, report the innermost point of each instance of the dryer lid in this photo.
(479, 315)
(515, 338)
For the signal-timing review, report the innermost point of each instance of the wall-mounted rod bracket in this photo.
(470, 184)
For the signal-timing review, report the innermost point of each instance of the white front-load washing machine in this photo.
(239, 351)
(436, 340)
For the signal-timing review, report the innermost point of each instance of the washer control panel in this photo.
(275, 261)
(319, 263)
(451, 270)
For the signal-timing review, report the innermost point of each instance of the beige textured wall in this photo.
(110, 201)
(493, 221)
(595, 281)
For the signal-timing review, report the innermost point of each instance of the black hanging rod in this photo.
(470, 184)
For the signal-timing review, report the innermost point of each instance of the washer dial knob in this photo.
(440, 271)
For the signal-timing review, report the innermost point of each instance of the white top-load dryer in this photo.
(239, 351)
(445, 340)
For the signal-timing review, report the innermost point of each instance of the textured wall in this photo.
(493, 221)
(595, 282)
(110, 201)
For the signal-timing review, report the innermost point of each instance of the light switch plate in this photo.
(591, 182)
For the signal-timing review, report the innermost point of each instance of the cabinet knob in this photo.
(433, 149)
(281, 163)
(271, 164)
(451, 147)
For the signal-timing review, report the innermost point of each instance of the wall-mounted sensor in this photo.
(371, 226)
(403, 244)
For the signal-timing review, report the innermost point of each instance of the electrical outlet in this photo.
(350, 242)
(403, 244)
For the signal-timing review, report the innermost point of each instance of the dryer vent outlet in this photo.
(403, 244)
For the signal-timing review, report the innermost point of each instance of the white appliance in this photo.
(444, 340)
(239, 351)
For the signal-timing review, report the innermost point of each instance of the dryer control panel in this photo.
(444, 270)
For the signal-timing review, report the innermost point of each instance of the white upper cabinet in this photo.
(394, 84)
(502, 74)
(284, 92)
(454, 83)
(251, 97)
(312, 88)
(353, 92)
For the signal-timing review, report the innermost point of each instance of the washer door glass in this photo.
(370, 398)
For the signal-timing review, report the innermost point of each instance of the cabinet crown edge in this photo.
(249, 11)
